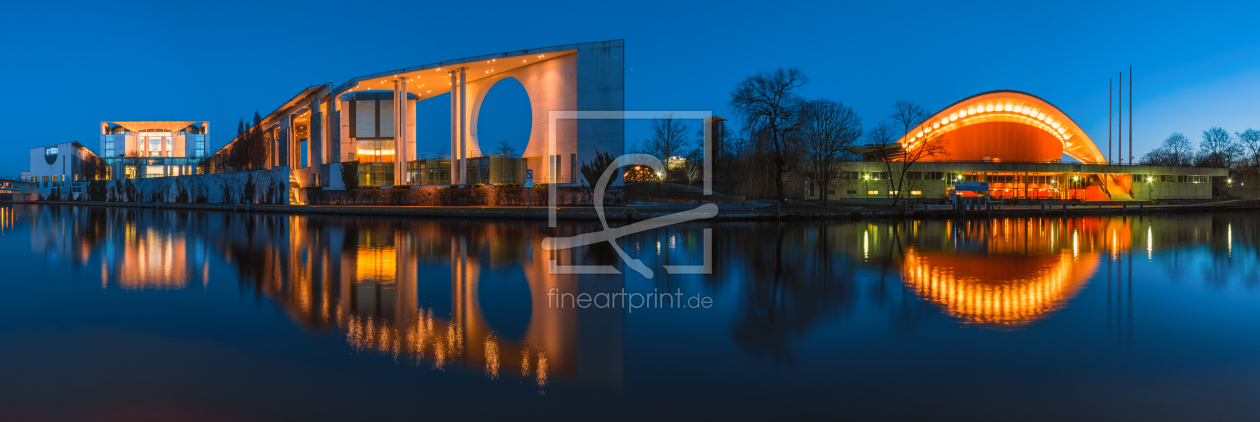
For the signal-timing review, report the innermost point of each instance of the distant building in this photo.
(145, 149)
(59, 166)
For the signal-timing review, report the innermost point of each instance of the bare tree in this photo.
(669, 137)
(921, 145)
(1176, 151)
(504, 150)
(1249, 140)
(768, 106)
(907, 114)
(1218, 149)
(693, 165)
(827, 129)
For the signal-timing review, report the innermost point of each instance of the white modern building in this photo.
(60, 166)
(143, 149)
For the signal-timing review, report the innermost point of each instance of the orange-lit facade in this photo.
(1004, 126)
(1023, 146)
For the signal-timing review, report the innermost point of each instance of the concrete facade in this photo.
(588, 76)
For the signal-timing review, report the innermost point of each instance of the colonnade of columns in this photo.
(402, 144)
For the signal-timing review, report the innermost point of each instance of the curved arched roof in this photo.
(1009, 106)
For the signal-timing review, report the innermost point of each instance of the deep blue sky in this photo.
(69, 65)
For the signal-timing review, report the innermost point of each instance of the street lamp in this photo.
(867, 185)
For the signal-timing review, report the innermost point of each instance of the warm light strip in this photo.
(1018, 108)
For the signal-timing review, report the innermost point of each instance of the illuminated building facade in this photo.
(154, 139)
(143, 149)
(1016, 142)
(363, 120)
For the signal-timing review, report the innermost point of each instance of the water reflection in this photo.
(1009, 273)
(389, 267)
(448, 294)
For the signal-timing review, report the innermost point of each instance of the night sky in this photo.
(69, 65)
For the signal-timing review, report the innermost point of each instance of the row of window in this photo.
(891, 192)
(155, 147)
(1013, 178)
(1171, 178)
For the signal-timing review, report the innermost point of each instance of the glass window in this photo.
(50, 154)
(302, 154)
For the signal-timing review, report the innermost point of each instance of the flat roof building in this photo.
(154, 139)
(144, 149)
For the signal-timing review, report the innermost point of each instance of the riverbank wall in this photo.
(624, 214)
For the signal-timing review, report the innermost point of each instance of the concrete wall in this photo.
(1160, 190)
(214, 184)
(600, 86)
(592, 79)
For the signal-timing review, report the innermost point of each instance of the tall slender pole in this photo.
(1120, 119)
(1110, 94)
(1130, 115)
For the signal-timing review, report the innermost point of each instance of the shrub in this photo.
(247, 194)
(130, 188)
(181, 192)
(350, 174)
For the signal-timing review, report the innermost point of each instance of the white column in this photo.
(400, 131)
(463, 127)
(454, 128)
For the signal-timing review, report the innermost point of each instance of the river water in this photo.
(126, 314)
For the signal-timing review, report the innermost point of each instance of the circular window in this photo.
(50, 155)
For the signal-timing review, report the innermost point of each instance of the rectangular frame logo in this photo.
(610, 235)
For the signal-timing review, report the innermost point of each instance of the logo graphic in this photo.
(611, 235)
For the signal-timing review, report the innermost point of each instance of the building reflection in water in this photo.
(1003, 272)
(376, 283)
(1011, 272)
(6, 218)
(472, 295)
(136, 248)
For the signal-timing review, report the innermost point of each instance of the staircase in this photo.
(295, 197)
(1116, 191)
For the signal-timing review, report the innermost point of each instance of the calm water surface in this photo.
(124, 314)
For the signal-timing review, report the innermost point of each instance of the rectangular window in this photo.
(916, 192)
(872, 192)
(365, 119)
(302, 154)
